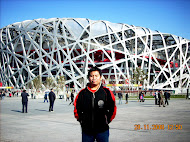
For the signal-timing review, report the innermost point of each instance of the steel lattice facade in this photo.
(70, 46)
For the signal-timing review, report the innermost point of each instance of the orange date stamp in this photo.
(158, 127)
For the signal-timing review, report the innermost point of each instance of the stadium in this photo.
(70, 46)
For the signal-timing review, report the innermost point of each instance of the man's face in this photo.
(95, 78)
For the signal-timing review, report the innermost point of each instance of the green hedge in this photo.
(178, 96)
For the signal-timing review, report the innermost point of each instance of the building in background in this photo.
(70, 46)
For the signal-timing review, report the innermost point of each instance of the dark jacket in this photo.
(120, 95)
(52, 96)
(72, 95)
(24, 97)
(95, 110)
(167, 95)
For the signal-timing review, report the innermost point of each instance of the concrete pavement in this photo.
(60, 126)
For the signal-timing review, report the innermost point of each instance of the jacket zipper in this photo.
(93, 97)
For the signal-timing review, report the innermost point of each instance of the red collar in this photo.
(93, 91)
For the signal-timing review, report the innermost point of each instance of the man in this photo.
(46, 96)
(52, 98)
(120, 96)
(67, 96)
(187, 96)
(1, 95)
(72, 98)
(24, 96)
(161, 98)
(95, 108)
(166, 95)
(156, 97)
(126, 97)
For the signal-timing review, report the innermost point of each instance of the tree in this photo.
(37, 82)
(29, 85)
(60, 84)
(139, 76)
(49, 83)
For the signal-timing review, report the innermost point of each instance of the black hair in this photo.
(94, 69)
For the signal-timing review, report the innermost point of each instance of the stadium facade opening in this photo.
(70, 46)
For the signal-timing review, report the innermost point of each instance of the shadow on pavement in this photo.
(17, 111)
(41, 110)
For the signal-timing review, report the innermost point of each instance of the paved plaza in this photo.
(40, 125)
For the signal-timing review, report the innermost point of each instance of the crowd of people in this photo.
(6, 93)
(161, 97)
(2, 95)
(48, 96)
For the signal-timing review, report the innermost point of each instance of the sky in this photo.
(166, 16)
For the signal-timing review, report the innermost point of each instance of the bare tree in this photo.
(49, 83)
(139, 76)
(37, 82)
(60, 84)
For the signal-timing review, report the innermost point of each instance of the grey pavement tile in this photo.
(60, 126)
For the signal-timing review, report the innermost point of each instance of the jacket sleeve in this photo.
(78, 106)
(111, 106)
(54, 96)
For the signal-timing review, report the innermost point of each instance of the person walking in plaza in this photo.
(120, 96)
(187, 96)
(1, 95)
(166, 95)
(156, 97)
(169, 95)
(31, 95)
(52, 98)
(72, 98)
(95, 108)
(161, 98)
(142, 97)
(45, 96)
(67, 96)
(126, 97)
(10, 94)
(24, 96)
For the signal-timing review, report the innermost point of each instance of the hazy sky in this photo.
(167, 16)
